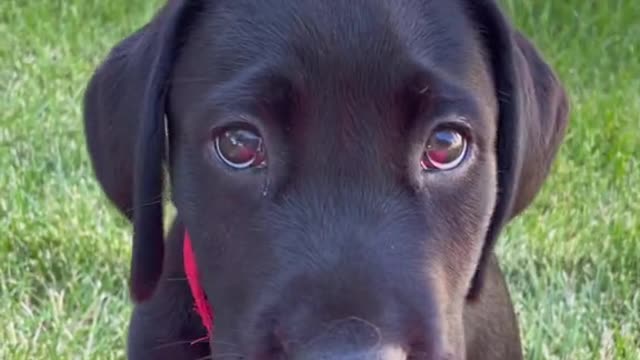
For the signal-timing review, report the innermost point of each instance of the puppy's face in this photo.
(335, 169)
(343, 167)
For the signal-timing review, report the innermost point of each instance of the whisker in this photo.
(199, 340)
(159, 200)
(170, 344)
(154, 202)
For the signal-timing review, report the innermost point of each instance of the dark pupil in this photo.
(445, 146)
(239, 146)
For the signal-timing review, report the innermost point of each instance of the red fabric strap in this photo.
(201, 304)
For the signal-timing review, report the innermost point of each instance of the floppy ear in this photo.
(124, 109)
(532, 119)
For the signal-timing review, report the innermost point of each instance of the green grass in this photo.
(573, 259)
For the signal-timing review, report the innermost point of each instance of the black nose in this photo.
(352, 339)
(383, 352)
(349, 339)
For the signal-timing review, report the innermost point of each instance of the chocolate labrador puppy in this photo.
(343, 169)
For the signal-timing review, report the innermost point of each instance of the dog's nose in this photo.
(384, 352)
(353, 339)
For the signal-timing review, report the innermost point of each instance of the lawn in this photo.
(573, 259)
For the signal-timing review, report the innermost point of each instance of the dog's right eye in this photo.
(240, 148)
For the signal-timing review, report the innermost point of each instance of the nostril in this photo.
(417, 355)
(424, 355)
(426, 350)
(275, 346)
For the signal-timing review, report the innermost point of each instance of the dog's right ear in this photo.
(124, 109)
(532, 117)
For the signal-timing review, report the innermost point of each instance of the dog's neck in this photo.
(200, 298)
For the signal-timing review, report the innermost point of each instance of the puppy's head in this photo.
(343, 167)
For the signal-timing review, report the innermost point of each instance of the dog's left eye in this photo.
(445, 149)
(240, 148)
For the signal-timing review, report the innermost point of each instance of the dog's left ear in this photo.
(124, 113)
(532, 118)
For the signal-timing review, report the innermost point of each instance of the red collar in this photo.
(200, 298)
